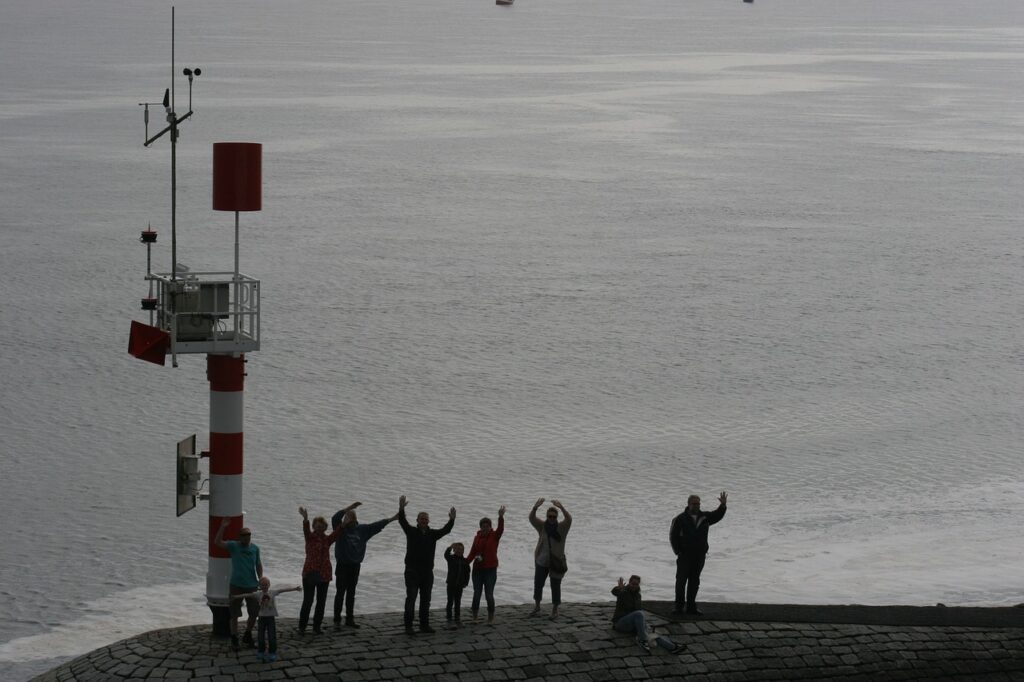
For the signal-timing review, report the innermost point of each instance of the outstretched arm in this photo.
(305, 522)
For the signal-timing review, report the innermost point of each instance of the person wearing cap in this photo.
(689, 538)
(246, 571)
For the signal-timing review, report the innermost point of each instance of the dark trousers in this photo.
(418, 582)
(454, 604)
(266, 632)
(688, 568)
(311, 584)
(540, 575)
(348, 578)
(483, 581)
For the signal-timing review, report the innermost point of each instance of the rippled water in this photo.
(612, 253)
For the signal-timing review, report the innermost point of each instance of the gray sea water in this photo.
(605, 252)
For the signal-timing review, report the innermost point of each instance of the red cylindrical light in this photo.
(237, 176)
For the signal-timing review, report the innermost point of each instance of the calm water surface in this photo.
(611, 253)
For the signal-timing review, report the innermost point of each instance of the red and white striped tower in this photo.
(226, 375)
(237, 186)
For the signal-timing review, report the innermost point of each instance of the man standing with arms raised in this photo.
(420, 546)
(689, 538)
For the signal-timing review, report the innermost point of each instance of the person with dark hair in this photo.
(549, 555)
(349, 552)
(483, 555)
(246, 571)
(689, 538)
(316, 572)
(629, 616)
(420, 549)
(458, 578)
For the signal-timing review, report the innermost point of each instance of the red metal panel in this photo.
(237, 176)
(225, 373)
(226, 453)
(148, 343)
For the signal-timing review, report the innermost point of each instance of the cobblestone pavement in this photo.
(578, 647)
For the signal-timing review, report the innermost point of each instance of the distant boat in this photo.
(749, 1)
(504, 2)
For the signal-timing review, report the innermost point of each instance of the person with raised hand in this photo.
(420, 549)
(316, 571)
(483, 556)
(549, 554)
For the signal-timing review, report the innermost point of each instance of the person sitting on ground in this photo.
(483, 555)
(458, 578)
(316, 572)
(549, 555)
(629, 616)
(349, 552)
(266, 628)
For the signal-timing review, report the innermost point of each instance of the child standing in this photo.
(458, 578)
(266, 628)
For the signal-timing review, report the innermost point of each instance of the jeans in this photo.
(484, 579)
(348, 578)
(311, 584)
(636, 623)
(421, 582)
(688, 568)
(454, 604)
(540, 575)
(266, 629)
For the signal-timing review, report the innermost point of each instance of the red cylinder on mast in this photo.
(237, 176)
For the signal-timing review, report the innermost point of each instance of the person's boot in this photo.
(234, 643)
(554, 612)
(351, 622)
(536, 609)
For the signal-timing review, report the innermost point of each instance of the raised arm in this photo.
(534, 521)
(565, 512)
(501, 522)
(402, 521)
(446, 528)
(306, 532)
(716, 516)
(218, 539)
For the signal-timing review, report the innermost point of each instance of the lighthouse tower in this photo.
(211, 313)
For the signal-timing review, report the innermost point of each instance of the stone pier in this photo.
(730, 642)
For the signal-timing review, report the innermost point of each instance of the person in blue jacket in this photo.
(349, 551)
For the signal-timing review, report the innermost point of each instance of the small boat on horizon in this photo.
(506, 3)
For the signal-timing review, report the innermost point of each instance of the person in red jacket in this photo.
(316, 571)
(484, 557)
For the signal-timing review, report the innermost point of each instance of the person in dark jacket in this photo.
(458, 578)
(420, 549)
(629, 616)
(689, 538)
(349, 551)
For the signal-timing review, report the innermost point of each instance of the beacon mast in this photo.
(215, 313)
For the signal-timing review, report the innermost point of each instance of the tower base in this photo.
(221, 620)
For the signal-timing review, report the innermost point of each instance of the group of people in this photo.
(248, 584)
